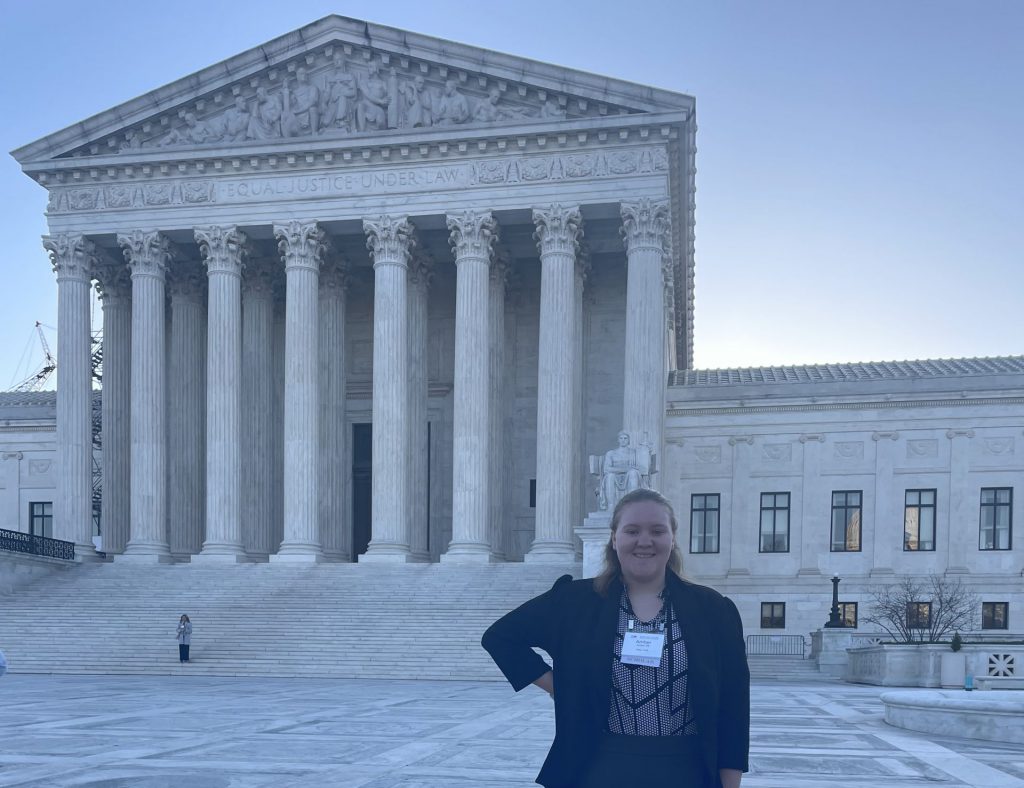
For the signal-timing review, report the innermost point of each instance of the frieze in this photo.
(391, 180)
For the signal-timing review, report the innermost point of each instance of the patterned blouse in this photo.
(650, 701)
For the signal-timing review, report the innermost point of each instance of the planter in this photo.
(952, 669)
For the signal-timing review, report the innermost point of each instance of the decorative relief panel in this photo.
(922, 447)
(849, 450)
(998, 446)
(708, 455)
(777, 452)
(342, 90)
(414, 178)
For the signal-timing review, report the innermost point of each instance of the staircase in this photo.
(419, 621)
(775, 668)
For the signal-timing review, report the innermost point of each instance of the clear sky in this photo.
(860, 187)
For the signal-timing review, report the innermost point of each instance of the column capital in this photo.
(73, 256)
(113, 281)
(258, 279)
(147, 253)
(645, 224)
(390, 239)
(472, 234)
(501, 264)
(185, 281)
(334, 275)
(559, 228)
(224, 249)
(301, 244)
(421, 267)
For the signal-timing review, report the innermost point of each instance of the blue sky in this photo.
(860, 176)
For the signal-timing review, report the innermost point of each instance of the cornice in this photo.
(839, 406)
(377, 148)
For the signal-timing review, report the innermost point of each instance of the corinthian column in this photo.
(302, 247)
(185, 410)
(333, 284)
(148, 255)
(497, 459)
(73, 258)
(472, 233)
(390, 240)
(558, 231)
(223, 251)
(114, 286)
(420, 274)
(645, 229)
(258, 422)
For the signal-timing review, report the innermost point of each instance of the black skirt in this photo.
(647, 762)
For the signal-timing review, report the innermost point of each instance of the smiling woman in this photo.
(647, 668)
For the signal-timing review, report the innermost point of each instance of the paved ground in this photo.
(201, 732)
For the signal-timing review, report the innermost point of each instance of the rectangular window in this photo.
(846, 511)
(995, 615)
(848, 614)
(773, 615)
(533, 493)
(919, 615)
(996, 518)
(40, 518)
(775, 522)
(704, 510)
(919, 520)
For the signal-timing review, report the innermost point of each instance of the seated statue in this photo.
(622, 470)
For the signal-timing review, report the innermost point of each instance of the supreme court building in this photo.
(369, 295)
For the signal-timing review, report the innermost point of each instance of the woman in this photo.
(650, 678)
(184, 637)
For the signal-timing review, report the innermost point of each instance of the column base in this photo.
(144, 558)
(297, 558)
(466, 555)
(551, 553)
(386, 558)
(221, 559)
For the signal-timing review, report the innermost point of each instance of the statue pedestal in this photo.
(594, 534)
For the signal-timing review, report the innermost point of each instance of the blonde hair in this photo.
(612, 567)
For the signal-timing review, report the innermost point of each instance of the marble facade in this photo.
(336, 230)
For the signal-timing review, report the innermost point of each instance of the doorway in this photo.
(362, 488)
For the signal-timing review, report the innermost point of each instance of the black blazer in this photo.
(577, 626)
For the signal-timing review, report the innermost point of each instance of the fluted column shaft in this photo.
(558, 230)
(337, 544)
(645, 228)
(148, 255)
(419, 450)
(472, 234)
(257, 413)
(186, 412)
(389, 239)
(115, 292)
(578, 474)
(223, 250)
(302, 247)
(498, 451)
(73, 258)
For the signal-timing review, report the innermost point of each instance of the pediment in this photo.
(342, 78)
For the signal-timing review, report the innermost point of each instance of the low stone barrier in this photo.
(997, 715)
(901, 665)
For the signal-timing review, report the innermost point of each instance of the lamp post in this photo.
(834, 621)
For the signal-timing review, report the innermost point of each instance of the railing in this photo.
(18, 542)
(775, 645)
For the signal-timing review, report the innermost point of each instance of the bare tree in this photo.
(918, 610)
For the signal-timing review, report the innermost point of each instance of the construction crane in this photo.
(37, 381)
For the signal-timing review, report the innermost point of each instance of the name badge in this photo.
(642, 648)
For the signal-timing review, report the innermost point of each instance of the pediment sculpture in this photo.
(622, 470)
(337, 101)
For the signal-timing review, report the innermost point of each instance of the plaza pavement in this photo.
(205, 732)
